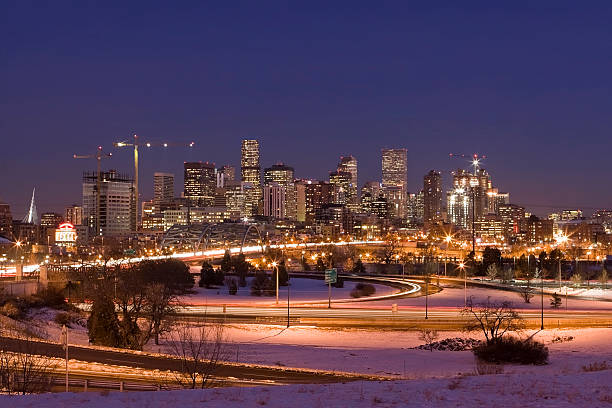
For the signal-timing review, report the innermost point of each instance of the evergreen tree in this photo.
(103, 324)
(232, 286)
(555, 302)
(241, 267)
(208, 277)
(226, 263)
(359, 268)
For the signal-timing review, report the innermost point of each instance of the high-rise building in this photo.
(50, 220)
(469, 190)
(348, 164)
(373, 188)
(117, 204)
(6, 220)
(251, 172)
(432, 197)
(395, 180)
(495, 199)
(342, 186)
(459, 207)
(281, 175)
(236, 198)
(224, 174)
(74, 214)
(163, 190)
(275, 200)
(415, 209)
(200, 183)
(311, 195)
(513, 218)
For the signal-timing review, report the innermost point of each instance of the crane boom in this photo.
(135, 144)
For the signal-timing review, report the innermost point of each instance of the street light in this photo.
(462, 267)
(274, 265)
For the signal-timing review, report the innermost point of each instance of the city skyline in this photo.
(147, 183)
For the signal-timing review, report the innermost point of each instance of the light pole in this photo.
(462, 268)
(274, 265)
(288, 304)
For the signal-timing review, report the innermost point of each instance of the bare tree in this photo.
(389, 249)
(21, 370)
(428, 336)
(199, 350)
(493, 319)
(492, 271)
(526, 292)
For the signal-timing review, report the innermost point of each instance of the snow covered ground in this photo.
(590, 389)
(453, 296)
(301, 289)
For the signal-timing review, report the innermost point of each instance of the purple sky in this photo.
(528, 85)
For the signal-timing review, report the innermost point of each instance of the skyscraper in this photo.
(432, 197)
(74, 214)
(6, 220)
(276, 178)
(224, 174)
(311, 195)
(395, 180)
(348, 164)
(200, 182)
(251, 172)
(117, 204)
(342, 187)
(163, 190)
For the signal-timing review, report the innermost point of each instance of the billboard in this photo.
(65, 234)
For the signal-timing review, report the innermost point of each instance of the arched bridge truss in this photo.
(201, 237)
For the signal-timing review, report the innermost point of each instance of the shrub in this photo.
(262, 285)
(363, 289)
(11, 309)
(512, 350)
(232, 286)
(62, 318)
(596, 367)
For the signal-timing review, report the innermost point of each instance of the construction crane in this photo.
(136, 143)
(475, 159)
(98, 155)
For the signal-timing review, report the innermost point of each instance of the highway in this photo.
(378, 317)
(227, 373)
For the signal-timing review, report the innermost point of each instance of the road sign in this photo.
(331, 276)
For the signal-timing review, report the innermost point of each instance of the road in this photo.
(404, 318)
(231, 374)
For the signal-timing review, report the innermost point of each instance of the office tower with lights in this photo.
(342, 185)
(117, 204)
(50, 220)
(395, 180)
(415, 209)
(6, 220)
(371, 188)
(432, 197)
(311, 195)
(200, 182)
(280, 177)
(458, 207)
(251, 172)
(74, 214)
(224, 174)
(348, 164)
(163, 190)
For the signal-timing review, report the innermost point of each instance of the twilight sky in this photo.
(529, 85)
